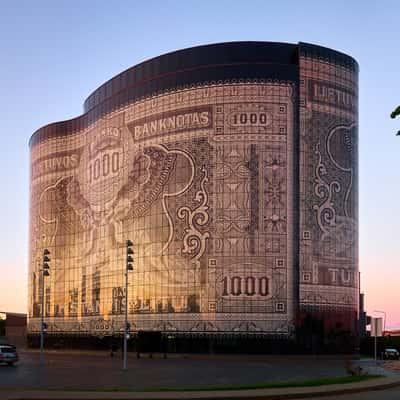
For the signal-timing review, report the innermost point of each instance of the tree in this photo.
(395, 114)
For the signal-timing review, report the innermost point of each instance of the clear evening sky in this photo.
(53, 54)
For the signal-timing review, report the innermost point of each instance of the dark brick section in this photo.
(329, 55)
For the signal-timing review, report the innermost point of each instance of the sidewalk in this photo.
(265, 394)
(380, 367)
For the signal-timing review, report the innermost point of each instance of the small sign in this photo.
(376, 327)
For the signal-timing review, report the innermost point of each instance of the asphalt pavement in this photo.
(100, 371)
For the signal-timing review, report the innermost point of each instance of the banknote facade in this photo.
(239, 195)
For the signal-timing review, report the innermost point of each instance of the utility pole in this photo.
(128, 267)
(44, 271)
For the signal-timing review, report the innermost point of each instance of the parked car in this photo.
(390, 354)
(8, 354)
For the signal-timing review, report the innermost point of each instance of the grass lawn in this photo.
(276, 385)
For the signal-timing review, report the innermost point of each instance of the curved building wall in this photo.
(208, 159)
(328, 189)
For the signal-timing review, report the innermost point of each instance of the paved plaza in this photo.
(99, 371)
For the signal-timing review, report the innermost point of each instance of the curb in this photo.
(252, 394)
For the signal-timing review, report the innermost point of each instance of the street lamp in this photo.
(128, 267)
(43, 273)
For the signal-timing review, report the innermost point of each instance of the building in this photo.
(393, 332)
(362, 317)
(15, 328)
(233, 169)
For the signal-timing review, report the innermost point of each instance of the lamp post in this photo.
(44, 271)
(128, 267)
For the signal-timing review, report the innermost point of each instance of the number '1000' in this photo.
(101, 167)
(250, 118)
(248, 286)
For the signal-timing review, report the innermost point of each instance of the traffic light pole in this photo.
(128, 267)
(42, 315)
(126, 322)
(44, 271)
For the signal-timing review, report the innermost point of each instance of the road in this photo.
(100, 371)
(390, 394)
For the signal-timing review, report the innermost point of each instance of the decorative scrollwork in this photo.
(194, 241)
(326, 213)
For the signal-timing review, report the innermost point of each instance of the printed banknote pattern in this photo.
(201, 180)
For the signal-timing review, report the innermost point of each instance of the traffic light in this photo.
(46, 260)
(129, 254)
(129, 267)
(45, 272)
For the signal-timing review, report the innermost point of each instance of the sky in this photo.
(53, 54)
